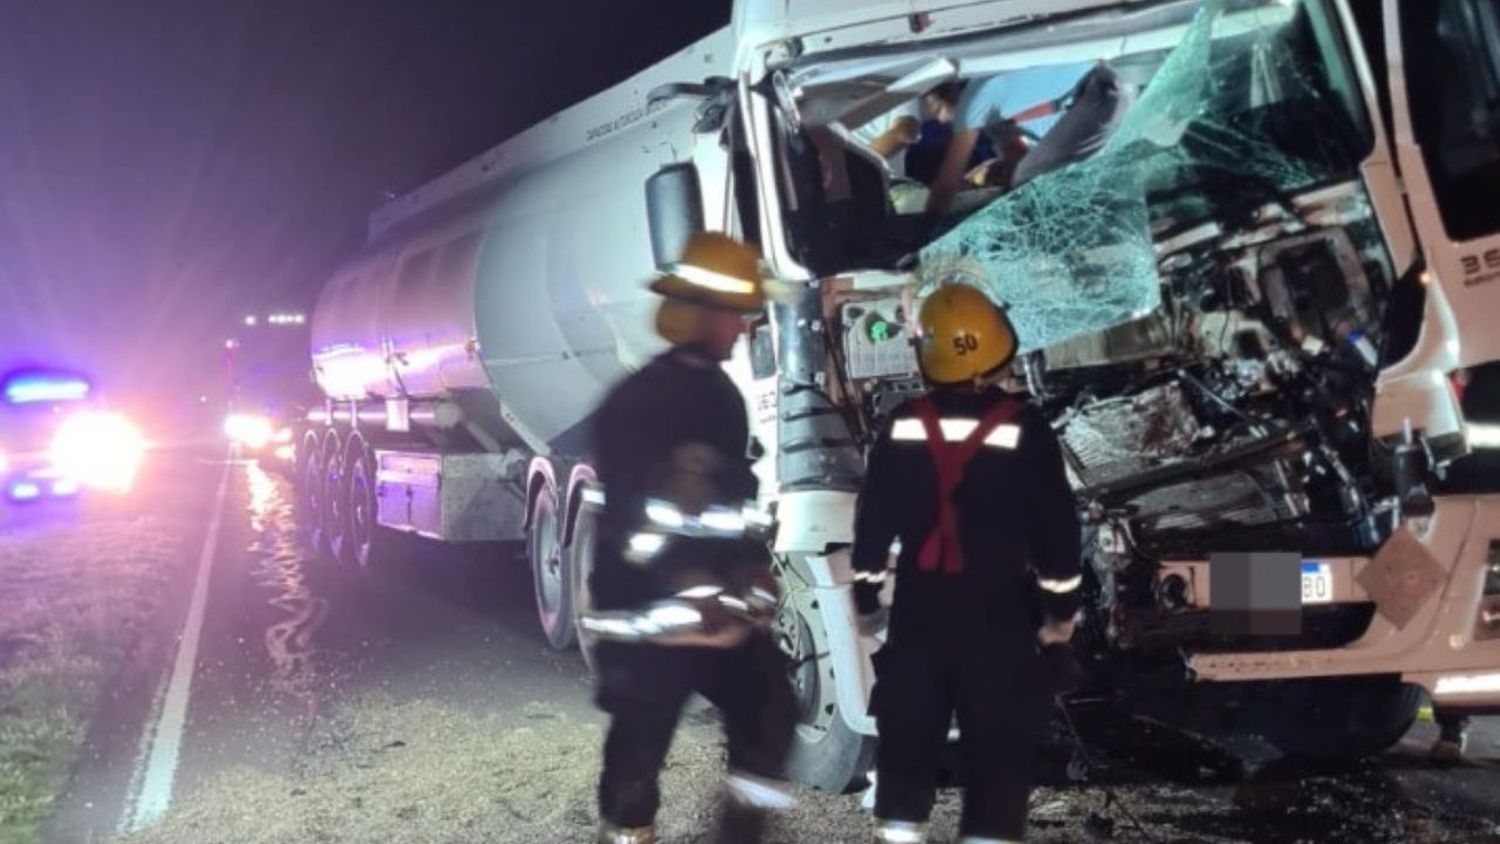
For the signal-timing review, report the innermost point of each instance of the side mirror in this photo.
(674, 210)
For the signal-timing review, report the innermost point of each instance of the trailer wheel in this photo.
(313, 492)
(364, 528)
(1338, 719)
(335, 499)
(580, 569)
(826, 753)
(549, 570)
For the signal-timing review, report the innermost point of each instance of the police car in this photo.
(57, 440)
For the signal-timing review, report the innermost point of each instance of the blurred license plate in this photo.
(1317, 583)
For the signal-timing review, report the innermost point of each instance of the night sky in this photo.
(168, 166)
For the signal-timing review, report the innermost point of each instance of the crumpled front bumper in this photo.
(1437, 612)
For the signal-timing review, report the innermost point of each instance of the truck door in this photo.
(1444, 65)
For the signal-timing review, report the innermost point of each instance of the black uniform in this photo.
(677, 431)
(964, 640)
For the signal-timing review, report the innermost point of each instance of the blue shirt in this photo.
(988, 101)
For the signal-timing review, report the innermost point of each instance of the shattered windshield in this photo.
(1250, 106)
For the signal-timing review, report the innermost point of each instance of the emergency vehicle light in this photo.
(39, 387)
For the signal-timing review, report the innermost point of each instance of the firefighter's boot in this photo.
(900, 832)
(746, 806)
(611, 834)
(1453, 738)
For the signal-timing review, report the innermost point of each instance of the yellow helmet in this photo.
(715, 271)
(964, 335)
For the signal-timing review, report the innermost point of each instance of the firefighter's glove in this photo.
(873, 624)
(1054, 632)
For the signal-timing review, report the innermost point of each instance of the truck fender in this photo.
(542, 473)
(848, 652)
(581, 477)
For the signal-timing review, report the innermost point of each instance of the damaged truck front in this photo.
(1247, 315)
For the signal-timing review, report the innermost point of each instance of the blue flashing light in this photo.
(44, 387)
(25, 491)
(64, 488)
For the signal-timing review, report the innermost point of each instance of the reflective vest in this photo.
(942, 548)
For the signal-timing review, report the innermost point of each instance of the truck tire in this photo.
(826, 754)
(1340, 719)
(580, 568)
(365, 543)
(336, 499)
(315, 493)
(549, 569)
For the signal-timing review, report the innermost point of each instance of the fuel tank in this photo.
(523, 273)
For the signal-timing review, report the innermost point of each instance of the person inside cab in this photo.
(1037, 120)
(970, 480)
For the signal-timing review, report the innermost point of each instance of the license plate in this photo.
(1317, 583)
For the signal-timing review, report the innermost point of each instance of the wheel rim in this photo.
(547, 559)
(334, 502)
(312, 476)
(815, 704)
(361, 510)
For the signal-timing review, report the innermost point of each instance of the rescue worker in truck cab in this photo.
(970, 479)
(681, 586)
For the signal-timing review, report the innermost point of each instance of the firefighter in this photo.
(970, 480)
(681, 584)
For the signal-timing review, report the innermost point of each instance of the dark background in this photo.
(168, 166)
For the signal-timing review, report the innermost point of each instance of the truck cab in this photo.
(1249, 316)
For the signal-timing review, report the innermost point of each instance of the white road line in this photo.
(155, 794)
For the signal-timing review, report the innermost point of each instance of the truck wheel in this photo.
(364, 529)
(580, 568)
(1336, 719)
(826, 753)
(549, 570)
(314, 498)
(335, 499)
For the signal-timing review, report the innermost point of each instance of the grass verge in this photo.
(71, 602)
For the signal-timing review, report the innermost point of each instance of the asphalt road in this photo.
(423, 705)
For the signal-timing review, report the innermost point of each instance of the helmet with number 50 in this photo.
(964, 335)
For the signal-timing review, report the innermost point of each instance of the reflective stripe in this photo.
(869, 577)
(754, 791)
(629, 626)
(643, 547)
(593, 496)
(609, 834)
(1060, 587)
(664, 514)
(901, 832)
(714, 523)
(955, 431)
(1482, 435)
(726, 521)
(696, 592)
(713, 280)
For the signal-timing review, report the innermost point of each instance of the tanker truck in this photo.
(1247, 315)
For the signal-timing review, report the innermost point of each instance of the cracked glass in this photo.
(1241, 113)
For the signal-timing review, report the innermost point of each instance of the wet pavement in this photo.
(422, 704)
